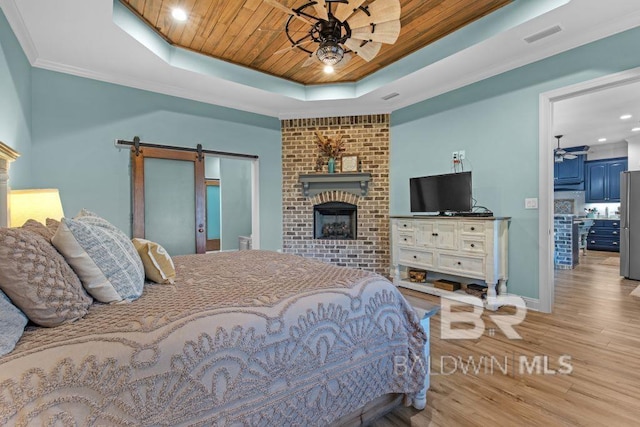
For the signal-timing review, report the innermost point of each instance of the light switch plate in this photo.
(531, 203)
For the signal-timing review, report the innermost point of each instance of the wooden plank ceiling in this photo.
(251, 32)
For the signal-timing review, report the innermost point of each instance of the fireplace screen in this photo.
(335, 220)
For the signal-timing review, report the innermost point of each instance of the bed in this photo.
(242, 338)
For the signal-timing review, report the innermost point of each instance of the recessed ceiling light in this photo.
(602, 140)
(635, 130)
(179, 14)
(625, 116)
(328, 69)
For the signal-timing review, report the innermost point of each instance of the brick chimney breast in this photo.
(365, 136)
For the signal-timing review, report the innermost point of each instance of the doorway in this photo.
(548, 101)
(169, 198)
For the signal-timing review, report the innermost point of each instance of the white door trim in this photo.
(546, 284)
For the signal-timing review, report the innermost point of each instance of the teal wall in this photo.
(75, 122)
(496, 122)
(15, 104)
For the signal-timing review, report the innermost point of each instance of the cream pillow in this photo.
(158, 265)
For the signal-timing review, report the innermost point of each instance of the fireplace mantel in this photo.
(355, 183)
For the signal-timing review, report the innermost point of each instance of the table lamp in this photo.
(38, 204)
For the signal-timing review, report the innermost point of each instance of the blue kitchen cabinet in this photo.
(603, 180)
(569, 174)
(604, 235)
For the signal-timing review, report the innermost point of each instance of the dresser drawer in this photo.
(405, 225)
(473, 245)
(406, 239)
(418, 258)
(473, 227)
(462, 264)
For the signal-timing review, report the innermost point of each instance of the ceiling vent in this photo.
(391, 95)
(542, 34)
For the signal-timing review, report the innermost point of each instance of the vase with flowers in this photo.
(331, 148)
(591, 213)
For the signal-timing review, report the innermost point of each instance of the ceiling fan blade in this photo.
(559, 159)
(285, 9)
(387, 32)
(287, 49)
(379, 11)
(321, 9)
(366, 51)
(344, 10)
(560, 151)
(311, 60)
(570, 156)
(579, 153)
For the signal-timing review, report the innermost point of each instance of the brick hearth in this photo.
(366, 136)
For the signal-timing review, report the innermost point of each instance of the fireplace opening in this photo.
(335, 220)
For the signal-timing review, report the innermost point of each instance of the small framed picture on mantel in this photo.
(349, 163)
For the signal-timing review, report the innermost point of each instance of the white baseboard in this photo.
(532, 303)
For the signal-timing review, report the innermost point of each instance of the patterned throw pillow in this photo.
(158, 265)
(38, 228)
(38, 279)
(12, 323)
(52, 225)
(103, 257)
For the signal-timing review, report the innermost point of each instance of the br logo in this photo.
(505, 322)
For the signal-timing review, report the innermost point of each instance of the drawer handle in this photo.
(473, 245)
(434, 234)
(415, 257)
(405, 239)
(615, 232)
(593, 241)
(615, 224)
(615, 243)
(473, 228)
(459, 263)
(404, 225)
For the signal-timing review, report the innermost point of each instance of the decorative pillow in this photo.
(52, 225)
(38, 228)
(38, 280)
(103, 257)
(158, 265)
(12, 323)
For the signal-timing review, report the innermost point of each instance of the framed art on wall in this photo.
(349, 163)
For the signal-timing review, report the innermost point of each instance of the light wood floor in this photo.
(595, 321)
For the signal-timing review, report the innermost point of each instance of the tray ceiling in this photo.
(251, 33)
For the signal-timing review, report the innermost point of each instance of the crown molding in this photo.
(602, 30)
(150, 86)
(19, 28)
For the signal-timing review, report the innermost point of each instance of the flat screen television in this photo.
(441, 193)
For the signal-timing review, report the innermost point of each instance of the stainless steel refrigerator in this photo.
(630, 225)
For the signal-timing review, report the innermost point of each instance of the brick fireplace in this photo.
(365, 136)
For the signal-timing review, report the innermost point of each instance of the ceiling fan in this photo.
(338, 28)
(560, 154)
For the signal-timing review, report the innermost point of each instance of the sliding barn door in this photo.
(169, 199)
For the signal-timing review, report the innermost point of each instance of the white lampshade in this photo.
(38, 204)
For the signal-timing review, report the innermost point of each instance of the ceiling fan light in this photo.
(330, 52)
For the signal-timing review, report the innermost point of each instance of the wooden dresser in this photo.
(467, 247)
